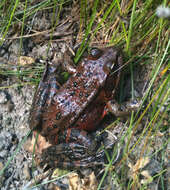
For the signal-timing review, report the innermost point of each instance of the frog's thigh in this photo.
(64, 156)
(55, 156)
(122, 109)
(76, 147)
(79, 140)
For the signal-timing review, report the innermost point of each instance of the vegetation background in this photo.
(31, 30)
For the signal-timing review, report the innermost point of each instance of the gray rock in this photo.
(1, 144)
(3, 153)
(3, 98)
(26, 172)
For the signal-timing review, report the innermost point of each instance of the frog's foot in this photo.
(123, 109)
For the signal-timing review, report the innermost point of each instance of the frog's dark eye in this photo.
(95, 52)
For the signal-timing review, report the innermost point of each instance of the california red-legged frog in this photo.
(66, 114)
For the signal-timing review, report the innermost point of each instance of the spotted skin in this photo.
(78, 105)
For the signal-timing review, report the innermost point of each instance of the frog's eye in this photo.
(95, 53)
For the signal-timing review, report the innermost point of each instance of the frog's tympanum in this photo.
(65, 115)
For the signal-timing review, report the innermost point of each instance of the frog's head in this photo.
(110, 57)
(110, 61)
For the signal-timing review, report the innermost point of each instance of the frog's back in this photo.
(60, 108)
(73, 97)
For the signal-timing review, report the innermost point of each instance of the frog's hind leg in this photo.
(78, 150)
(62, 156)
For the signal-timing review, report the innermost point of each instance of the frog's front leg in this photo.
(122, 109)
(46, 90)
(78, 149)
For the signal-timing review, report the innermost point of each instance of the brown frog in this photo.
(65, 115)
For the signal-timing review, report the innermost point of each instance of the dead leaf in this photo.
(75, 182)
(25, 60)
(141, 163)
(148, 177)
(89, 182)
(40, 144)
(135, 169)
